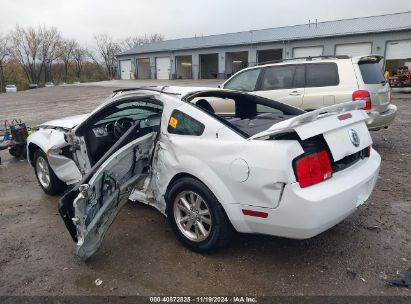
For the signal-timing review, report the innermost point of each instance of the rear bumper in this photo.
(304, 213)
(379, 120)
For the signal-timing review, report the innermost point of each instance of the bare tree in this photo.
(156, 37)
(66, 49)
(26, 44)
(134, 41)
(79, 56)
(35, 50)
(4, 54)
(107, 49)
(50, 51)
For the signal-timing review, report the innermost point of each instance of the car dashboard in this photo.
(106, 129)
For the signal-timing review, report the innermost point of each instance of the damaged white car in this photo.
(267, 168)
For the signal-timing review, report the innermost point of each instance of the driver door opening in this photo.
(120, 163)
(103, 130)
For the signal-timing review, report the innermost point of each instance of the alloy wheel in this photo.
(192, 216)
(43, 173)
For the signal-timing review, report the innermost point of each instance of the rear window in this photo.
(322, 75)
(371, 73)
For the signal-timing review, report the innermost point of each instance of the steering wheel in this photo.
(121, 126)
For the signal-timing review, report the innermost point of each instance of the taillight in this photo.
(363, 95)
(369, 151)
(313, 169)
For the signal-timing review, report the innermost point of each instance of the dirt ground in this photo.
(141, 256)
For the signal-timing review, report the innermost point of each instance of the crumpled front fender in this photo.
(51, 141)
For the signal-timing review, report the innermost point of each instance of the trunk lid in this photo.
(342, 125)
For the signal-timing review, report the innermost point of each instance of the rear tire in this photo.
(46, 178)
(196, 217)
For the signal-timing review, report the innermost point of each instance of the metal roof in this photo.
(373, 24)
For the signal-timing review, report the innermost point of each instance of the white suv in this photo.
(313, 83)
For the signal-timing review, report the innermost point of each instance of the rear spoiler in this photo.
(368, 58)
(290, 124)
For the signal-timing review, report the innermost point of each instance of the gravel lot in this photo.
(140, 255)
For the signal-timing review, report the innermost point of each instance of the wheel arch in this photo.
(180, 175)
(31, 149)
(44, 139)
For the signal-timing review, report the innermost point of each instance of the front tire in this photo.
(196, 217)
(46, 178)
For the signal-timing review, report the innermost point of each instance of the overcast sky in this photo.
(81, 19)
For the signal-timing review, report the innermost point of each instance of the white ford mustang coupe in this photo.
(267, 168)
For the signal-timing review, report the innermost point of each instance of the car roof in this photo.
(316, 59)
(304, 59)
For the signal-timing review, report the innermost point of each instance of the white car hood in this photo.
(67, 122)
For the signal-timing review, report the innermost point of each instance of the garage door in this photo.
(353, 49)
(308, 51)
(143, 68)
(163, 67)
(398, 50)
(125, 67)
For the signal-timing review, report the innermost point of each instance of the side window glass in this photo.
(278, 77)
(299, 76)
(183, 124)
(322, 75)
(245, 81)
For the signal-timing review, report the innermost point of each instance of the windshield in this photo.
(136, 110)
(107, 100)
